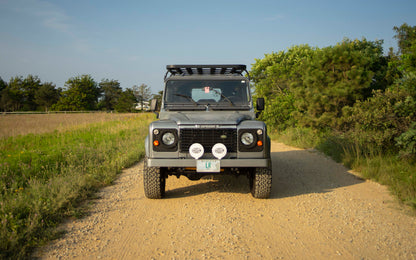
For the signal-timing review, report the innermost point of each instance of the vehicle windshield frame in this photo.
(207, 94)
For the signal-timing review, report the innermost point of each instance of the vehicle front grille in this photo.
(208, 138)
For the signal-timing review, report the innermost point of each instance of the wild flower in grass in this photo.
(19, 189)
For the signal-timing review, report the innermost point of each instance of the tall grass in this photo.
(23, 124)
(399, 174)
(44, 176)
(299, 137)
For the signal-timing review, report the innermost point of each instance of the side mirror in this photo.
(154, 107)
(260, 104)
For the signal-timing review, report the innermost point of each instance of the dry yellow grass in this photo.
(13, 125)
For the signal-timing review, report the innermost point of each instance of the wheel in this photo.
(261, 183)
(154, 182)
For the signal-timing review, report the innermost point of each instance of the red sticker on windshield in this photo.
(206, 89)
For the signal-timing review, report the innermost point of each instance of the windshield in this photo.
(217, 94)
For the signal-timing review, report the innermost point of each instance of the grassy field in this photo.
(13, 125)
(49, 163)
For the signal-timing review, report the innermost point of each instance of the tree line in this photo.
(81, 93)
(351, 90)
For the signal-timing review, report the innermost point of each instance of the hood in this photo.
(207, 118)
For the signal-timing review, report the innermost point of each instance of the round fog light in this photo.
(219, 151)
(196, 150)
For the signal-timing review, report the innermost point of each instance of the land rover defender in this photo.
(207, 125)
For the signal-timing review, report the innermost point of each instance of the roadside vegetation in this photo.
(44, 176)
(80, 93)
(350, 101)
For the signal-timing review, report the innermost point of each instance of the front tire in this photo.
(261, 183)
(154, 182)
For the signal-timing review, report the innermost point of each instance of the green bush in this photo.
(377, 121)
(407, 142)
(278, 111)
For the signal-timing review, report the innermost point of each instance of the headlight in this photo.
(168, 138)
(251, 140)
(247, 138)
(165, 140)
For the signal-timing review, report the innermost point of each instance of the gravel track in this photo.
(317, 210)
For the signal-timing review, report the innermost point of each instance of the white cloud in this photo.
(55, 20)
(50, 17)
(48, 14)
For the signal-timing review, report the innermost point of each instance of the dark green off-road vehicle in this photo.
(207, 125)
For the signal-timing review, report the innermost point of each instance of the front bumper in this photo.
(238, 163)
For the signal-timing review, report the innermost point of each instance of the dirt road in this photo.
(317, 210)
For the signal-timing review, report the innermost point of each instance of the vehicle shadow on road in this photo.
(298, 172)
(220, 183)
(295, 172)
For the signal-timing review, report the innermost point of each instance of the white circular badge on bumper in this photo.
(219, 151)
(196, 150)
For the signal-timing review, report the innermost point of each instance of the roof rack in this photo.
(206, 69)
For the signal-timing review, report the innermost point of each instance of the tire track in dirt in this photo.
(317, 210)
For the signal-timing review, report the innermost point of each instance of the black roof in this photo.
(206, 69)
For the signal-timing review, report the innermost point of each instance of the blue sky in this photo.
(133, 41)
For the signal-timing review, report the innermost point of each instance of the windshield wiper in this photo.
(222, 95)
(187, 97)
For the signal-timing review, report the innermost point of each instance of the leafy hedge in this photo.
(358, 102)
(350, 88)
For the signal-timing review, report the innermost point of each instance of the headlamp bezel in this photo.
(160, 135)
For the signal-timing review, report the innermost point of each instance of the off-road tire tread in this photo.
(261, 183)
(153, 182)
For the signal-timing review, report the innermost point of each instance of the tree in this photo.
(406, 36)
(19, 94)
(3, 86)
(82, 93)
(277, 72)
(126, 101)
(111, 93)
(12, 95)
(10, 100)
(274, 77)
(310, 86)
(30, 86)
(338, 76)
(142, 93)
(47, 95)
